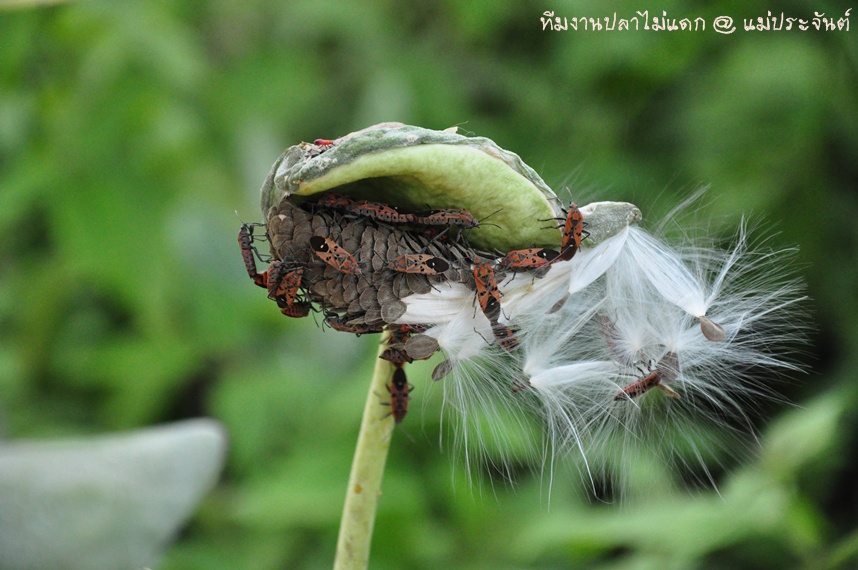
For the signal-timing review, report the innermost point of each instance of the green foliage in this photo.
(131, 133)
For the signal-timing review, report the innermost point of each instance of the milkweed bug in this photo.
(339, 324)
(449, 216)
(319, 146)
(399, 333)
(399, 389)
(505, 337)
(573, 233)
(379, 211)
(422, 263)
(488, 294)
(395, 356)
(531, 258)
(664, 372)
(334, 255)
(283, 281)
(335, 201)
(408, 329)
(296, 310)
(434, 233)
(640, 386)
(245, 242)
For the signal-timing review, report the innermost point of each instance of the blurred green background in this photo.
(131, 133)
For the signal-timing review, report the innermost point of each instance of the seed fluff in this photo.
(638, 347)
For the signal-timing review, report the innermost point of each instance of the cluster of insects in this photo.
(353, 260)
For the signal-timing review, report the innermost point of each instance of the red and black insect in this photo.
(284, 282)
(422, 263)
(399, 389)
(659, 377)
(399, 333)
(434, 233)
(334, 255)
(395, 352)
(488, 294)
(640, 387)
(335, 201)
(323, 142)
(449, 216)
(338, 323)
(381, 212)
(573, 233)
(505, 337)
(296, 310)
(531, 258)
(409, 329)
(365, 208)
(245, 242)
(395, 355)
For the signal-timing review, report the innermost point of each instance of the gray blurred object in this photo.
(106, 502)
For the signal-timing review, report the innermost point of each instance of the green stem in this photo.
(367, 471)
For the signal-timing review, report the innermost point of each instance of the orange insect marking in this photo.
(530, 258)
(296, 310)
(245, 242)
(339, 324)
(665, 372)
(335, 201)
(408, 329)
(422, 263)
(395, 356)
(282, 282)
(505, 336)
(573, 233)
(399, 389)
(334, 255)
(449, 216)
(640, 387)
(379, 211)
(488, 294)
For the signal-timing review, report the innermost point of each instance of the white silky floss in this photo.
(628, 313)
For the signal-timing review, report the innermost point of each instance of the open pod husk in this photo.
(419, 169)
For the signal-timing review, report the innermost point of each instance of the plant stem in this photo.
(367, 471)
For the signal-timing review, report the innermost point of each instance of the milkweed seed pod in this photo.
(573, 315)
(413, 169)
(420, 169)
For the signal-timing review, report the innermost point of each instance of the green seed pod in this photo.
(418, 169)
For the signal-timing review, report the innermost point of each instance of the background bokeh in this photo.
(134, 137)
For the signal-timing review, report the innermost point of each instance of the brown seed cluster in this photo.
(356, 260)
(372, 296)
